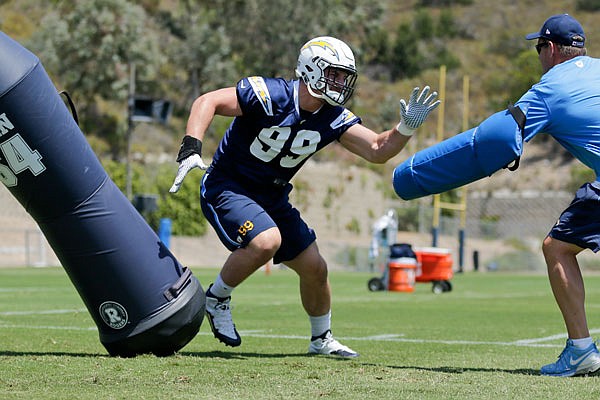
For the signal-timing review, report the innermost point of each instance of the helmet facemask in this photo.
(330, 87)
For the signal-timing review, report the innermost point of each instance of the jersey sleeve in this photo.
(536, 113)
(343, 122)
(254, 97)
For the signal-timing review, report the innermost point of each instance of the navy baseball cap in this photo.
(562, 29)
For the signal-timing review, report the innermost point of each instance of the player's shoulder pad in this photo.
(260, 89)
(345, 117)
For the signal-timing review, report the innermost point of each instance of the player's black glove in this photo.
(189, 157)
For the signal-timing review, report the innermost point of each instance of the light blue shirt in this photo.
(566, 104)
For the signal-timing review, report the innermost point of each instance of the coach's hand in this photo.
(413, 114)
(189, 157)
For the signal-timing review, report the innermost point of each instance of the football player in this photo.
(244, 195)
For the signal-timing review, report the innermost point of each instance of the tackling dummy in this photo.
(141, 299)
(469, 156)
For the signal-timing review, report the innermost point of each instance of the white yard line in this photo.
(45, 312)
(552, 337)
(400, 338)
(533, 342)
(49, 327)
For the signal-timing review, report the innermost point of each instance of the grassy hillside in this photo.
(494, 36)
(488, 50)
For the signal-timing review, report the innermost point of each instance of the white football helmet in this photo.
(319, 59)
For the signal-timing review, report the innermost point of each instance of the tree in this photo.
(423, 25)
(88, 45)
(377, 46)
(588, 5)
(183, 208)
(524, 71)
(405, 57)
(199, 45)
(266, 36)
(446, 26)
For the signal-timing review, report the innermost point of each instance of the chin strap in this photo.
(519, 117)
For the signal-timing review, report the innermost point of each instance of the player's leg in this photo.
(299, 251)
(315, 294)
(247, 230)
(240, 264)
(244, 261)
(315, 291)
(577, 228)
(567, 284)
(580, 355)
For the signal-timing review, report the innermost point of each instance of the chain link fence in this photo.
(505, 228)
(515, 221)
(22, 243)
(499, 215)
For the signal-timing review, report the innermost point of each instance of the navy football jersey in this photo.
(274, 138)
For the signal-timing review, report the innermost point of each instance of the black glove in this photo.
(189, 157)
(189, 145)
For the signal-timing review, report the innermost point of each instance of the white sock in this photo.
(582, 343)
(320, 325)
(220, 289)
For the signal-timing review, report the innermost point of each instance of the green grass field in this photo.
(484, 340)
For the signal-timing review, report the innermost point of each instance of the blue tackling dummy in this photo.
(464, 158)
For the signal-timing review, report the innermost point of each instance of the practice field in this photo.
(484, 340)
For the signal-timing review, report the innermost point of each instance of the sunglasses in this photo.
(540, 46)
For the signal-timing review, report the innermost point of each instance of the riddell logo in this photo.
(247, 227)
(113, 314)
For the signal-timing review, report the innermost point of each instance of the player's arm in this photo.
(373, 147)
(378, 148)
(219, 102)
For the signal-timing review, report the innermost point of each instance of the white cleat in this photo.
(218, 313)
(326, 344)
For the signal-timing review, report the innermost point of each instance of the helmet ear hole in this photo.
(322, 64)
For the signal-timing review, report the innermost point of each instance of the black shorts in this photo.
(579, 224)
(238, 212)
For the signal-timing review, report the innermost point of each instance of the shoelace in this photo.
(334, 343)
(561, 353)
(560, 356)
(223, 319)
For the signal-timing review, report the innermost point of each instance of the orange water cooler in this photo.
(436, 267)
(406, 266)
(402, 274)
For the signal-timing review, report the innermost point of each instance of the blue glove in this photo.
(413, 114)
